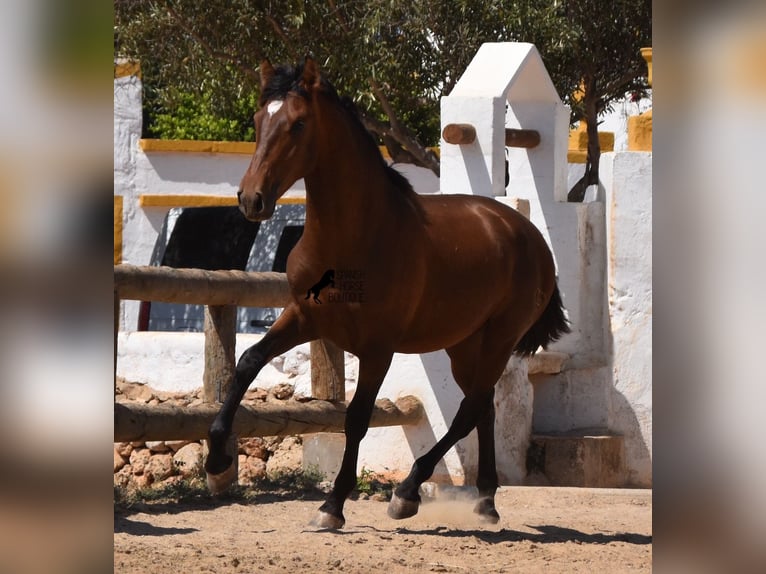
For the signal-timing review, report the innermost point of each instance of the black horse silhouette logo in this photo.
(328, 279)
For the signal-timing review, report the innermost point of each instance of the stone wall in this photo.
(156, 463)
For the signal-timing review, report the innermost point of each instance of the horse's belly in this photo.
(437, 328)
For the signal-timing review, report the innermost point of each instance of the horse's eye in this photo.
(297, 127)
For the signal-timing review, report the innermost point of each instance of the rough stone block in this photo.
(588, 460)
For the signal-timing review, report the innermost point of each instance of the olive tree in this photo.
(395, 59)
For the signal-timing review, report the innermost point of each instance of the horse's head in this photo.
(285, 135)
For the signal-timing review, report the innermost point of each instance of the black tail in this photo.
(549, 327)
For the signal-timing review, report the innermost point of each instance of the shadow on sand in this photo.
(545, 534)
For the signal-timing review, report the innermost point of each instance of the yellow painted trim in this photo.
(150, 145)
(578, 143)
(196, 146)
(118, 229)
(640, 132)
(204, 146)
(127, 68)
(178, 200)
(577, 156)
(578, 139)
(292, 200)
(646, 54)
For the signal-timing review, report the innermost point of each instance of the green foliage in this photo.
(194, 489)
(303, 480)
(186, 490)
(395, 59)
(193, 117)
(368, 482)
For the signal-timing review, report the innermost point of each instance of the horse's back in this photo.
(486, 231)
(480, 261)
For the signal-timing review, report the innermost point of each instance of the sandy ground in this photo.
(540, 530)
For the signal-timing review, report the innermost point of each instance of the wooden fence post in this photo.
(328, 371)
(324, 451)
(220, 343)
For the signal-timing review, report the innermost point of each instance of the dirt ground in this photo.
(540, 530)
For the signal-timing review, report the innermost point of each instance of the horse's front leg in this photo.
(288, 331)
(372, 370)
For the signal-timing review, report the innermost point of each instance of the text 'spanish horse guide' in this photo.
(456, 272)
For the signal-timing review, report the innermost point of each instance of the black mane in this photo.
(287, 79)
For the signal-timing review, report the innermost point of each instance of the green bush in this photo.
(187, 116)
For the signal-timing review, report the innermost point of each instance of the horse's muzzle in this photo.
(253, 206)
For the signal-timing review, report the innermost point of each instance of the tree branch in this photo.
(626, 78)
(401, 134)
(280, 32)
(339, 17)
(388, 109)
(396, 131)
(218, 54)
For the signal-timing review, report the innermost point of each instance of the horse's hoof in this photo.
(219, 483)
(400, 508)
(327, 520)
(485, 508)
(218, 463)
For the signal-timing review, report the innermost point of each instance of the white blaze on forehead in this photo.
(274, 106)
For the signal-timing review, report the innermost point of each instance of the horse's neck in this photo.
(349, 190)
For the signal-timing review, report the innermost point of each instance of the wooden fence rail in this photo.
(222, 292)
(141, 422)
(201, 287)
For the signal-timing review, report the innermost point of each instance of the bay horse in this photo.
(457, 272)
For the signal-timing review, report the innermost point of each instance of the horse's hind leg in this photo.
(406, 500)
(372, 370)
(287, 332)
(477, 379)
(486, 480)
(464, 359)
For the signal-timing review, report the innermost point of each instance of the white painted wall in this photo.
(127, 132)
(616, 120)
(614, 392)
(505, 85)
(627, 180)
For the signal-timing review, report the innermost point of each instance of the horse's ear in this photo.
(267, 72)
(312, 77)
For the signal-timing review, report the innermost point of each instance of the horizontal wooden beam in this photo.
(521, 138)
(142, 422)
(202, 287)
(461, 134)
